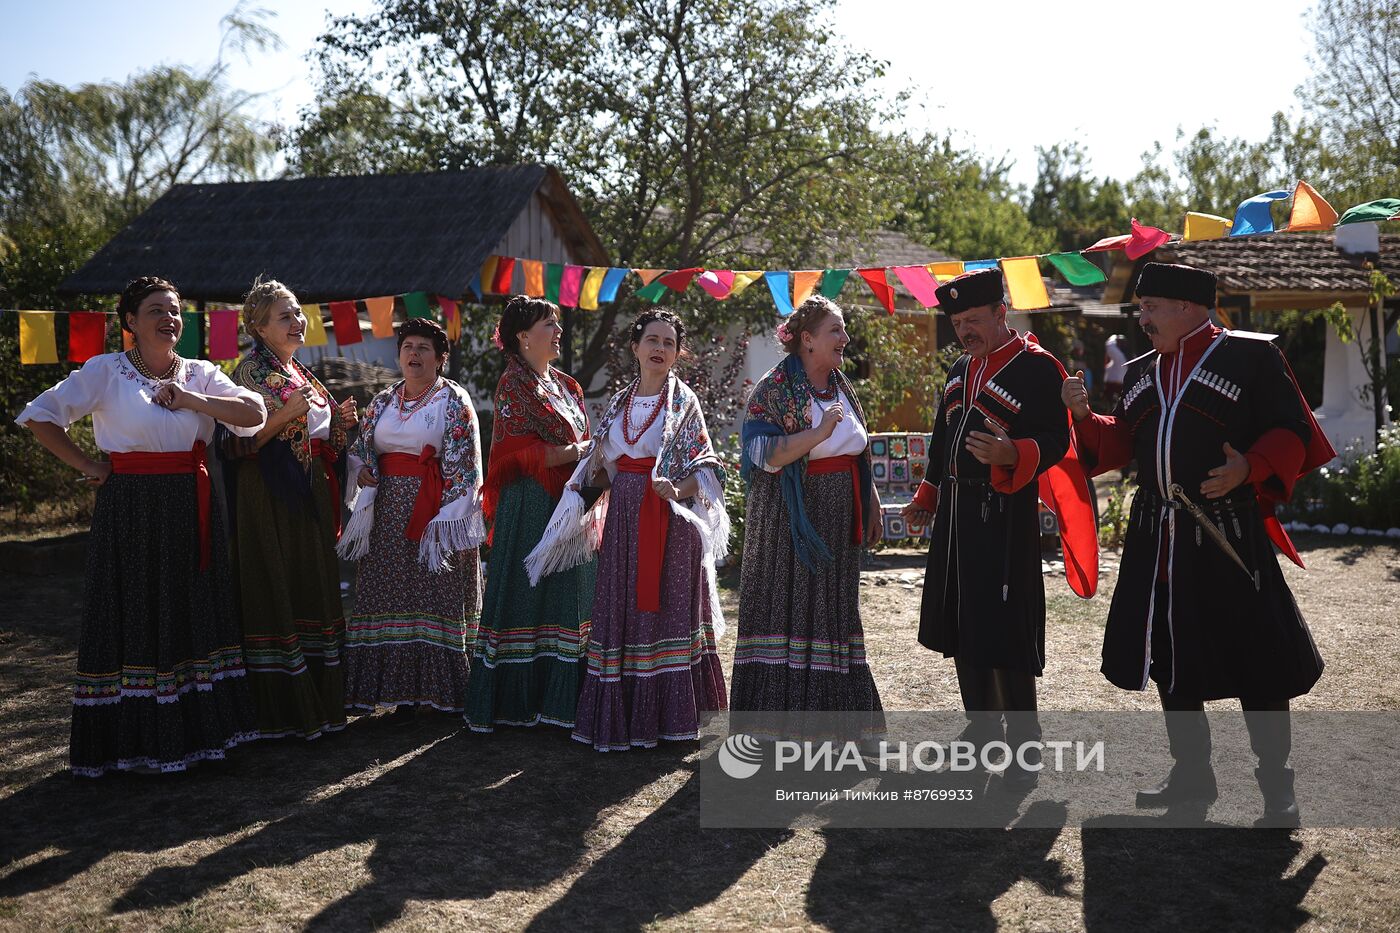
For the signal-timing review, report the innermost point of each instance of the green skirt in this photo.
(530, 653)
(293, 624)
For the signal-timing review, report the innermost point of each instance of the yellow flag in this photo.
(945, 271)
(1024, 283)
(36, 340)
(381, 316)
(1205, 226)
(803, 284)
(588, 296)
(534, 277)
(1310, 210)
(743, 280)
(316, 326)
(488, 274)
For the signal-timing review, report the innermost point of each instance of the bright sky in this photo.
(1022, 74)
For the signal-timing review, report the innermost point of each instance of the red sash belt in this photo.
(846, 463)
(429, 499)
(652, 526)
(152, 463)
(328, 455)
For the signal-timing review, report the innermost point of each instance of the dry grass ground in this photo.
(429, 826)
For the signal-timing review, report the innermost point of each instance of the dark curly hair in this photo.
(137, 291)
(807, 317)
(655, 316)
(521, 313)
(422, 327)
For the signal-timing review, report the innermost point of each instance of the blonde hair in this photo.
(807, 317)
(259, 302)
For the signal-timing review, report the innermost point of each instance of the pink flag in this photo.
(920, 284)
(223, 335)
(716, 282)
(1144, 240)
(1108, 243)
(569, 286)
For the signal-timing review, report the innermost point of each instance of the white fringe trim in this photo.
(573, 535)
(354, 538)
(445, 537)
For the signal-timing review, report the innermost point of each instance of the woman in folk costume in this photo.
(811, 507)
(652, 666)
(415, 527)
(284, 488)
(160, 669)
(528, 660)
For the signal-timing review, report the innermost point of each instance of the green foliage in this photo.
(1077, 208)
(735, 495)
(1113, 519)
(888, 353)
(1363, 491)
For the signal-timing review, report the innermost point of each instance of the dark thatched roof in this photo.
(335, 238)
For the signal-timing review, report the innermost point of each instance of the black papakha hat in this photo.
(1182, 283)
(970, 290)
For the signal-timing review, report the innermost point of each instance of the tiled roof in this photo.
(1308, 262)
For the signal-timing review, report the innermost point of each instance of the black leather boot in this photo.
(1280, 806)
(1194, 784)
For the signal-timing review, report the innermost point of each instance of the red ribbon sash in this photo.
(846, 463)
(152, 463)
(328, 455)
(652, 526)
(429, 499)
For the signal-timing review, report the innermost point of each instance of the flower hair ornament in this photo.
(784, 334)
(496, 337)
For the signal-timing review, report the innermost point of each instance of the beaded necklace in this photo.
(409, 406)
(134, 356)
(829, 393)
(627, 417)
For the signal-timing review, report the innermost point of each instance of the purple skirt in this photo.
(650, 674)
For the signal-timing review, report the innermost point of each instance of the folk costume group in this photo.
(599, 611)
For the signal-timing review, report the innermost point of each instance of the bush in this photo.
(735, 495)
(1113, 520)
(1363, 491)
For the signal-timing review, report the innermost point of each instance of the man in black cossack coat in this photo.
(1220, 433)
(1000, 442)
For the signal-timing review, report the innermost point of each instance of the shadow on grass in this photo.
(1137, 876)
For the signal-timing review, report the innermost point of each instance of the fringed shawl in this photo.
(781, 405)
(458, 525)
(575, 532)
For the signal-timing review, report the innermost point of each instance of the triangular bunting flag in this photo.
(743, 280)
(1076, 269)
(1205, 226)
(648, 275)
(804, 282)
(919, 281)
(778, 287)
(716, 283)
(833, 280)
(1254, 216)
(1023, 282)
(1310, 210)
(884, 292)
(679, 280)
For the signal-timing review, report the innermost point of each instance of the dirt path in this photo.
(430, 826)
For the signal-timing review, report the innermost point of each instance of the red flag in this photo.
(884, 292)
(450, 310)
(1144, 240)
(505, 268)
(680, 279)
(87, 335)
(347, 323)
(223, 334)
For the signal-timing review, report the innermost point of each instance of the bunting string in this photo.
(588, 287)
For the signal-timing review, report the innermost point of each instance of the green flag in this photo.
(1384, 209)
(1076, 269)
(653, 292)
(415, 304)
(189, 347)
(553, 275)
(832, 280)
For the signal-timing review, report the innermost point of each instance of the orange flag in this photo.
(1310, 210)
(534, 277)
(381, 316)
(804, 283)
(488, 273)
(648, 275)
